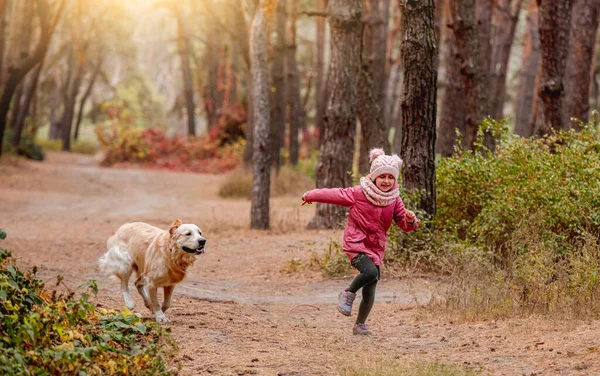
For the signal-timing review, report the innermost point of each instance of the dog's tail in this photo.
(116, 262)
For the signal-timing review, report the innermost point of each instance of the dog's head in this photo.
(187, 237)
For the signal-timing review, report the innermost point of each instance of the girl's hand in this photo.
(304, 201)
(410, 216)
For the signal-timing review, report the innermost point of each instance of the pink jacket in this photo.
(367, 223)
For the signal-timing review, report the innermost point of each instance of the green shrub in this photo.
(43, 333)
(518, 230)
(80, 146)
(552, 181)
(27, 146)
(333, 263)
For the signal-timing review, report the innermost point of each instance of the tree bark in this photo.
(2, 38)
(483, 19)
(261, 161)
(506, 17)
(453, 111)
(17, 74)
(278, 97)
(419, 58)
(321, 96)
(530, 65)
(374, 132)
(337, 141)
(396, 81)
(213, 93)
(183, 47)
(296, 115)
(23, 42)
(69, 106)
(584, 27)
(86, 94)
(555, 24)
(471, 67)
(29, 95)
(371, 98)
(62, 91)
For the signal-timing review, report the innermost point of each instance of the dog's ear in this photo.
(174, 226)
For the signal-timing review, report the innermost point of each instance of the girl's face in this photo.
(385, 182)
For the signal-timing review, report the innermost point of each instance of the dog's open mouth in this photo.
(197, 251)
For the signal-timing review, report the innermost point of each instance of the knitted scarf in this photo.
(375, 195)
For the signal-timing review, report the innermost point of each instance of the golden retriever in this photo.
(159, 258)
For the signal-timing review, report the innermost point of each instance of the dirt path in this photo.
(239, 311)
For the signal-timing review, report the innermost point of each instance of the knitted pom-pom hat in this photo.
(384, 164)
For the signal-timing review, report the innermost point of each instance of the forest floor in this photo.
(241, 310)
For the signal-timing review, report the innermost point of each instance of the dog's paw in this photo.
(130, 305)
(162, 319)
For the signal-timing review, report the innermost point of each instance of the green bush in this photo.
(27, 146)
(44, 333)
(333, 263)
(549, 184)
(80, 146)
(518, 230)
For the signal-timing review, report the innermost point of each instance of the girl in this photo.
(373, 205)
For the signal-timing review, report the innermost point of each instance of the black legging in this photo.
(367, 279)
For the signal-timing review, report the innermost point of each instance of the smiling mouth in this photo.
(197, 251)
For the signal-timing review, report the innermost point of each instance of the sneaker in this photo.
(345, 300)
(361, 329)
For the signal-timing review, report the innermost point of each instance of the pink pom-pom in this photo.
(374, 153)
(398, 161)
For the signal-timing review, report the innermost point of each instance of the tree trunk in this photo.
(86, 94)
(471, 67)
(337, 141)
(371, 98)
(555, 24)
(17, 74)
(183, 47)
(69, 106)
(394, 71)
(530, 64)
(374, 133)
(62, 91)
(578, 76)
(453, 111)
(483, 19)
(261, 161)
(506, 17)
(249, 148)
(29, 95)
(419, 58)
(243, 42)
(213, 93)
(278, 97)
(396, 81)
(23, 41)
(297, 116)
(321, 96)
(2, 38)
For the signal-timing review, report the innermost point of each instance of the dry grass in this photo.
(289, 181)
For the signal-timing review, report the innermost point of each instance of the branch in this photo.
(315, 13)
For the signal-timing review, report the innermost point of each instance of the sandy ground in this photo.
(240, 311)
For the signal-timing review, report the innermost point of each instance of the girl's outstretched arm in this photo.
(335, 196)
(405, 219)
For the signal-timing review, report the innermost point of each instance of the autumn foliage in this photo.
(219, 150)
